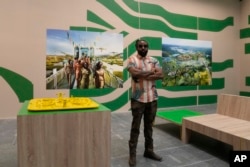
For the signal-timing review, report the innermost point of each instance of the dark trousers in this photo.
(148, 112)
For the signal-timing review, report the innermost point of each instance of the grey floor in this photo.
(200, 152)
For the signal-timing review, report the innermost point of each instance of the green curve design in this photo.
(242, 93)
(90, 92)
(178, 88)
(207, 99)
(245, 33)
(22, 87)
(91, 29)
(214, 25)
(217, 67)
(156, 25)
(217, 83)
(176, 102)
(247, 81)
(144, 22)
(118, 102)
(247, 48)
(179, 20)
(125, 33)
(96, 19)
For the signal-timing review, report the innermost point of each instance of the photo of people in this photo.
(83, 60)
(186, 62)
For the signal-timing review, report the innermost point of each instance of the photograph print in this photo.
(83, 60)
(186, 62)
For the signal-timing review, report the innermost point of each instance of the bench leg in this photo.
(185, 134)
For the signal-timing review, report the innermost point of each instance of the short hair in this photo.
(139, 40)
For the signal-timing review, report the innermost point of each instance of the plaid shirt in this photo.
(143, 90)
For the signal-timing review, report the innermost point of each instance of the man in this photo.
(144, 71)
(99, 75)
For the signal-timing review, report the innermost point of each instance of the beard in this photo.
(143, 53)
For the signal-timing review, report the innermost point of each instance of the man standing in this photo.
(144, 71)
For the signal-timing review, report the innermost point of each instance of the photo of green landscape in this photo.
(186, 62)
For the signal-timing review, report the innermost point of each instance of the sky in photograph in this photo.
(61, 42)
(186, 42)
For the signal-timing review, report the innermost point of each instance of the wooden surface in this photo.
(234, 106)
(230, 124)
(66, 139)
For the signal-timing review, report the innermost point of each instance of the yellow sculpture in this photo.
(61, 103)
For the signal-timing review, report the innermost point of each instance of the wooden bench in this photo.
(230, 124)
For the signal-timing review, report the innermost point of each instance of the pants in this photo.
(148, 112)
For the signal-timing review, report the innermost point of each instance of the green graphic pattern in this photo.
(247, 48)
(177, 20)
(182, 21)
(245, 33)
(247, 81)
(22, 87)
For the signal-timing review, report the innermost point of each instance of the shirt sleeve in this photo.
(156, 62)
(130, 63)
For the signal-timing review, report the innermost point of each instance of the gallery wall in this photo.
(23, 45)
(244, 48)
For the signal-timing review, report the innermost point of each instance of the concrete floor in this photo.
(200, 152)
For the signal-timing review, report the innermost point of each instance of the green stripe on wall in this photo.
(125, 33)
(157, 25)
(180, 88)
(248, 19)
(143, 23)
(180, 20)
(214, 25)
(217, 83)
(22, 87)
(247, 48)
(208, 99)
(176, 20)
(247, 81)
(91, 29)
(118, 102)
(242, 93)
(217, 67)
(175, 102)
(96, 19)
(90, 92)
(245, 33)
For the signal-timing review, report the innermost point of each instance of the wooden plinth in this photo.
(79, 138)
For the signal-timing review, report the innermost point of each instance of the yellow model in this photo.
(61, 103)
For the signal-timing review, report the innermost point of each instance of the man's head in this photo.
(141, 47)
(98, 65)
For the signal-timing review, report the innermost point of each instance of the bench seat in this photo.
(228, 129)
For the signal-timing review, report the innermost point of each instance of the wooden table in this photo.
(67, 138)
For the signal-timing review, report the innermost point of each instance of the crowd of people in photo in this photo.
(82, 73)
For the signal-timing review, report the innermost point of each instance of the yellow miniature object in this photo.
(61, 103)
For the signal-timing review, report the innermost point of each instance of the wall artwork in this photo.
(186, 62)
(83, 60)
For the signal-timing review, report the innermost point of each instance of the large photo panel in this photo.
(186, 62)
(83, 60)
